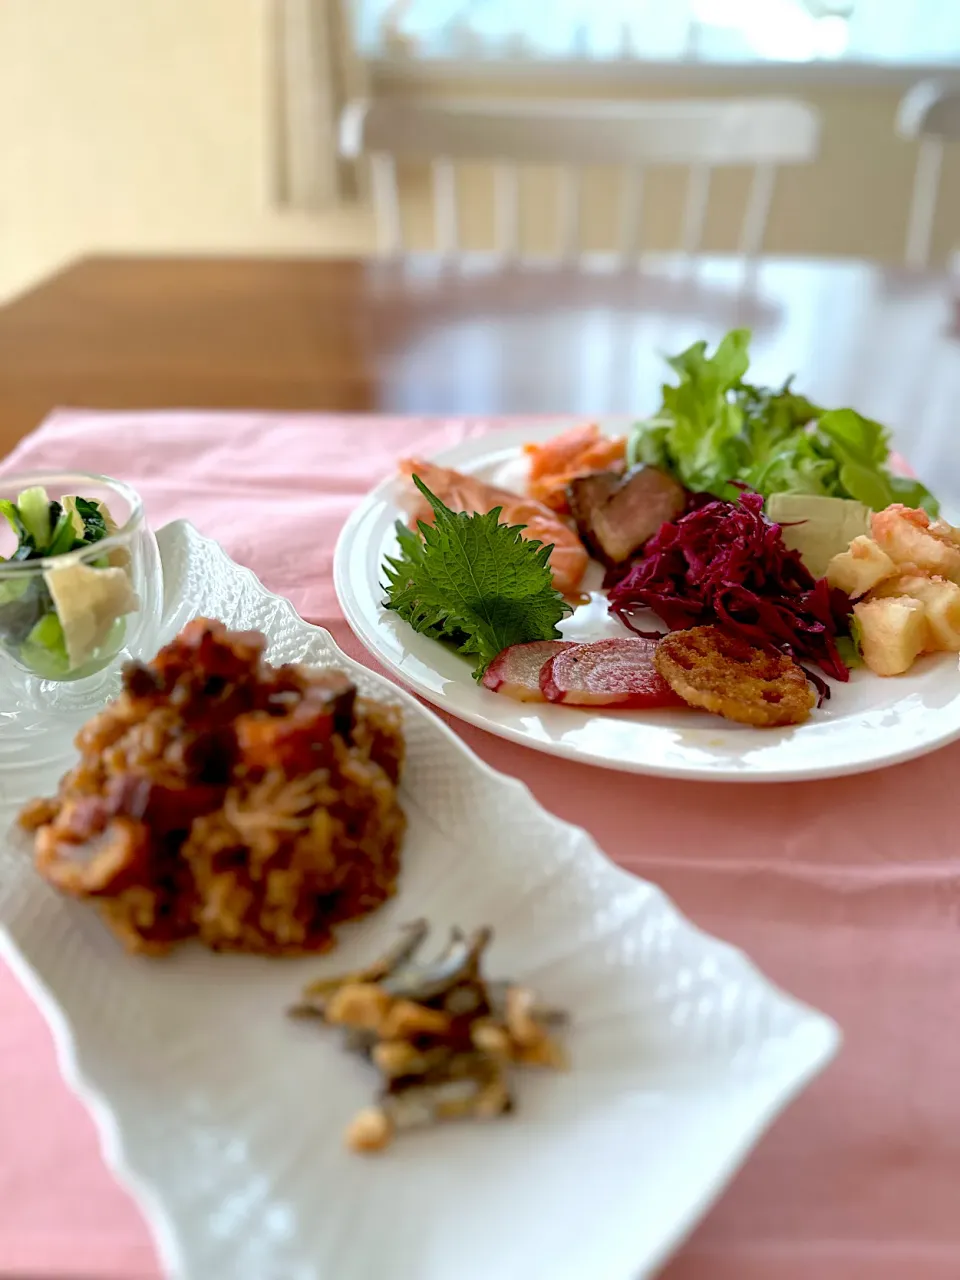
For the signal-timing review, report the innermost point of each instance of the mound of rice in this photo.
(250, 806)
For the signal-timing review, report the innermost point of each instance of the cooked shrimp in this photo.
(465, 493)
(581, 451)
(909, 538)
(940, 529)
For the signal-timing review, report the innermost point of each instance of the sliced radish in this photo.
(516, 671)
(607, 673)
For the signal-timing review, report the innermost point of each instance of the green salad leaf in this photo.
(471, 581)
(715, 432)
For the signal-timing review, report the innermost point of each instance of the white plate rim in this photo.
(483, 448)
(125, 1159)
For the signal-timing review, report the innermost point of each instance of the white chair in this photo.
(701, 135)
(929, 113)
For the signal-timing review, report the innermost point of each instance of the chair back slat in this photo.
(507, 210)
(757, 213)
(718, 132)
(695, 208)
(631, 213)
(700, 135)
(446, 219)
(569, 213)
(386, 204)
(929, 113)
(923, 203)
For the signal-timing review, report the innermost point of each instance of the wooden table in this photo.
(419, 337)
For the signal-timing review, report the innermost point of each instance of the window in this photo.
(880, 32)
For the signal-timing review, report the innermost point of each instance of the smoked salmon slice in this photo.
(459, 492)
(581, 451)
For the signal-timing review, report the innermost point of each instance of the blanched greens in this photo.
(716, 433)
(45, 528)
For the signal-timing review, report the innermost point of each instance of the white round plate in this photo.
(916, 713)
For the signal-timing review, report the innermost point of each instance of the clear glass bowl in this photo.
(68, 622)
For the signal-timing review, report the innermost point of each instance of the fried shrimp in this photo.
(726, 675)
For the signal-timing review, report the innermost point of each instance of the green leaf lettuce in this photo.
(715, 432)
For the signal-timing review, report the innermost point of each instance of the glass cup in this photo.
(70, 621)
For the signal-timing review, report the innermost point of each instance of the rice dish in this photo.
(250, 806)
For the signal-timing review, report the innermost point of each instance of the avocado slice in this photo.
(818, 527)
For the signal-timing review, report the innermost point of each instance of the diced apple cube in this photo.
(893, 632)
(860, 568)
(941, 603)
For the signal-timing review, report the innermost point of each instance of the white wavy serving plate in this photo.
(917, 712)
(225, 1119)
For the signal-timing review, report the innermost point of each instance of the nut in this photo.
(490, 1037)
(547, 1053)
(521, 1023)
(358, 1004)
(370, 1130)
(406, 1019)
(396, 1057)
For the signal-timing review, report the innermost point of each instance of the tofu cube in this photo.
(893, 632)
(860, 568)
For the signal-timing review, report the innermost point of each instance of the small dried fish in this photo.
(359, 1041)
(364, 1005)
(412, 937)
(473, 1086)
(441, 1036)
(497, 995)
(459, 962)
(423, 1104)
(398, 1058)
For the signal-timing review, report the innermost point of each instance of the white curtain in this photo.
(318, 72)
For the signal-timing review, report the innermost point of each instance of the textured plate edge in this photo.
(126, 1161)
(695, 773)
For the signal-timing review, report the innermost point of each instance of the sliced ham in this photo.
(516, 671)
(616, 514)
(607, 673)
(578, 452)
(588, 494)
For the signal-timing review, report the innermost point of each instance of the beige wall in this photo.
(144, 125)
(140, 124)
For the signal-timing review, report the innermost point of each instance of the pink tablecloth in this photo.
(845, 892)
